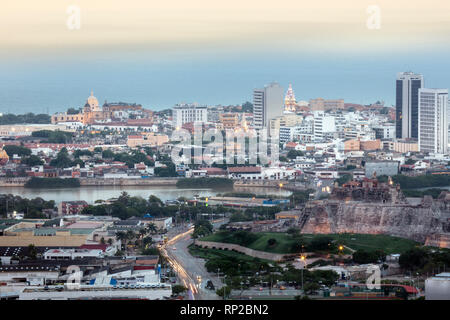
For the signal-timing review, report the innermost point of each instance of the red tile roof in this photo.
(244, 170)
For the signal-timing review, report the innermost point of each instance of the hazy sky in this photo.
(162, 52)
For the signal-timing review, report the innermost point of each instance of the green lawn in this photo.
(284, 241)
(370, 242)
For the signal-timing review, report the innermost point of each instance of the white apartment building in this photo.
(323, 124)
(385, 131)
(187, 113)
(433, 120)
(268, 103)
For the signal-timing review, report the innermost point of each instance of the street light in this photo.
(302, 259)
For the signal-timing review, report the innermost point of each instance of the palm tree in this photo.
(151, 228)
(130, 235)
(142, 233)
(120, 235)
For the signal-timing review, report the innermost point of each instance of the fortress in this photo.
(371, 207)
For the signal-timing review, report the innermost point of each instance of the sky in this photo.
(159, 53)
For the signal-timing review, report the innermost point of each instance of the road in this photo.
(190, 270)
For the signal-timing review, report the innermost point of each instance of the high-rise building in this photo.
(407, 104)
(323, 124)
(268, 103)
(433, 120)
(189, 113)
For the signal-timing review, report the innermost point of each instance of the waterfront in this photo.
(90, 194)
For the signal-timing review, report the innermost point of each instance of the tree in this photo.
(202, 228)
(224, 292)
(413, 259)
(151, 227)
(120, 235)
(124, 198)
(155, 200)
(247, 107)
(178, 289)
(18, 150)
(32, 161)
(311, 287)
(32, 252)
(107, 154)
(344, 179)
(150, 252)
(62, 160)
(130, 235)
(292, 154)
(146, 241)
(271, 242)
(142, 233)
(323, 243)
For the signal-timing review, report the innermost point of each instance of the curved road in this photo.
(190, 270)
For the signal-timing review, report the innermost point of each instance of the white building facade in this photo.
(433, 120)
(187, 113)
(268, 103)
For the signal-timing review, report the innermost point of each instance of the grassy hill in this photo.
(284, 241)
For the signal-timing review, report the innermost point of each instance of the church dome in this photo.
(93, 102)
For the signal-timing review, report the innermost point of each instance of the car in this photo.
(282, 288)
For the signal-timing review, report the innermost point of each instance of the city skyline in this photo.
(215, 53)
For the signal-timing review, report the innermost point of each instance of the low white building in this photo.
(72, 254)
(163, 223)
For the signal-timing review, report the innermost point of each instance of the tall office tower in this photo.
(433, 120)
(407, 104)
(268, 103)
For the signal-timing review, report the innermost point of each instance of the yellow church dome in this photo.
(93, 102)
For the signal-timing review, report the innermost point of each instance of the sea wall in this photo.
(128, 182)
(20, 182)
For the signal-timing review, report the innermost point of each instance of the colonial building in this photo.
(289, 100)
(93, 113)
